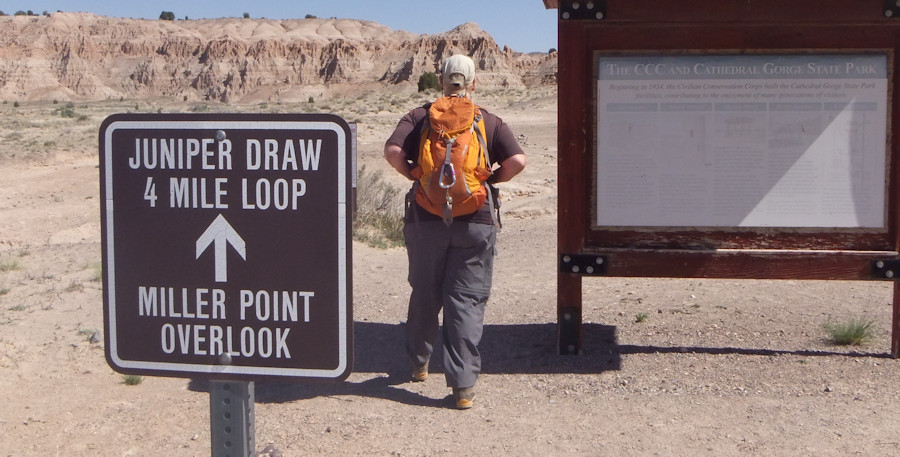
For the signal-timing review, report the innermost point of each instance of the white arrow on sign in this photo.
(221, 232)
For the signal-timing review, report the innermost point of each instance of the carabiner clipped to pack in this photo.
(447, 174)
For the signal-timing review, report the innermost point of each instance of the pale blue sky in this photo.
(523, 25)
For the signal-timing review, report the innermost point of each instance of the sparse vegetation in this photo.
(641, 317)
(132, 379)
(167, 16)
(67, 111)
(10, 265)
(379, 217)
(64, 112)
(96, 271)
(87, 333)
(853, 332)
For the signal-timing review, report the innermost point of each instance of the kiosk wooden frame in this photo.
(625, 27)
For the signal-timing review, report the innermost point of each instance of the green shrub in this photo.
(428, 81)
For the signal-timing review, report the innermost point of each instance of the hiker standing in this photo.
(451, 221)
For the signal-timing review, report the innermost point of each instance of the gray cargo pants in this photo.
(450, 268)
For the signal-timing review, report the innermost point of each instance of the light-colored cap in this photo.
(458, 64)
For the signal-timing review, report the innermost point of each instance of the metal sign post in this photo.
(231, 418)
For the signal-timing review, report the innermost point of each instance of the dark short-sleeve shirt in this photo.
(501, 144)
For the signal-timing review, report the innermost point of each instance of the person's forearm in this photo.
(509, 169)
(395, 156)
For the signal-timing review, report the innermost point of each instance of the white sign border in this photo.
(109, 266)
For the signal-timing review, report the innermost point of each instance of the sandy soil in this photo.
(716, 368)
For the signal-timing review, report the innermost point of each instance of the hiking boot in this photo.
(465, 397)
(419, 372)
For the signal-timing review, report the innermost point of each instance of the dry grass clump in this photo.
(853, 332)
(379, 215)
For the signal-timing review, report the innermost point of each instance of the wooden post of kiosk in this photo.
(727, 139)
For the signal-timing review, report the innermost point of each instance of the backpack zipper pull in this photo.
(448, 209)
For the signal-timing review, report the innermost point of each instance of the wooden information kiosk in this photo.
(726, 139)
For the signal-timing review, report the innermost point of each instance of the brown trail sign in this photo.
(226, 242)
(227, 254)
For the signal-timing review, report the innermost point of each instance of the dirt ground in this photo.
(669, 367)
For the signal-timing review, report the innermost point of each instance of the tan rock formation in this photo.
(71, 56)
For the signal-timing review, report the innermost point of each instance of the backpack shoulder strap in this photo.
(426, 122)
(479, 127)
(492, 192)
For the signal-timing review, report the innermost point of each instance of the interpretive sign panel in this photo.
(226, 245)
(727, 139)
(784, 140)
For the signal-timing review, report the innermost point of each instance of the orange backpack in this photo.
(452, 184)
